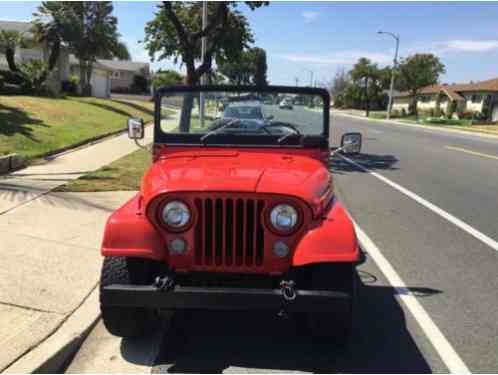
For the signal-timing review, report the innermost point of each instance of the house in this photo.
(123, 73)
(474, 98)
(107, 75)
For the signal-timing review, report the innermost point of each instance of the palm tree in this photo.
(9, 41)
(48, 28)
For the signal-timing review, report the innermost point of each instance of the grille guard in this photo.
(180, 297)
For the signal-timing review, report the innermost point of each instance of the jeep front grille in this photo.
(229, 233)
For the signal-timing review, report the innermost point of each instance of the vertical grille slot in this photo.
(229, 232)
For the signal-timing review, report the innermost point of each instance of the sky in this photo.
(323, 37)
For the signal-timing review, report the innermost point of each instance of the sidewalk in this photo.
(26, 184)
(50, 245)
(361, 116)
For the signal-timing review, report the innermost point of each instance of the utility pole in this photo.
(395, 63)
(297, 81)
(203, 54)
(311, 72)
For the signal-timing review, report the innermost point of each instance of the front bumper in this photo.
(179, 297)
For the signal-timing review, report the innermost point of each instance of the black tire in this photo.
(333, 328)
(125, 321)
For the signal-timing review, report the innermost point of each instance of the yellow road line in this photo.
(472, 152)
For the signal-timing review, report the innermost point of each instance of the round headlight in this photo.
(176, 214)
(283, 217)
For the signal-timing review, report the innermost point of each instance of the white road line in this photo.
(441, 345)
(445, 215)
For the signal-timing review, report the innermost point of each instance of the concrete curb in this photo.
(10, 162)
(477, 134)
(52, 355)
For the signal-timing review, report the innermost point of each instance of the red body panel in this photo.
(332, 239)
(129, 233)
(190, 173)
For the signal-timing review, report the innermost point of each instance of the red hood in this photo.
(242, 171)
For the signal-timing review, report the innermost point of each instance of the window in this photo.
(116, 74)
(476, 98)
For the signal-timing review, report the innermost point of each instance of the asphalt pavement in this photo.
(426, 203)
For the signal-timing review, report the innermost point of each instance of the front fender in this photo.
(332, 240)
(128, 233)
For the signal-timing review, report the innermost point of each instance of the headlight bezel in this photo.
(284, 232)
(164, 223)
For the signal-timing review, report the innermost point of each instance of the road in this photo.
(428, 293)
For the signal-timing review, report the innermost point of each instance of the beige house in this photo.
(474, 98)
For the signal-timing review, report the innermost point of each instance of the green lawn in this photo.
(123, 174)
(35, 126)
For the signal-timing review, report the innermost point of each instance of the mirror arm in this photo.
(144, 147)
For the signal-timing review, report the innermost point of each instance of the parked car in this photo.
(286, 104)
(233, 219)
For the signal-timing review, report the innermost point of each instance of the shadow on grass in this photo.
(15, 121)
(136, 106)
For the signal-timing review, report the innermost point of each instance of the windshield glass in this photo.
(206, 116)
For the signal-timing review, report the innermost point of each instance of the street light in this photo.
(395, 63)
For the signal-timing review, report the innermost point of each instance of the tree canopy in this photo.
(418, 71)
(249, 69)
(176, 33)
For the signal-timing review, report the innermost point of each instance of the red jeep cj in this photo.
(236, 212)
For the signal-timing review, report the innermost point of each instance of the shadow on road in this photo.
(211, 342)
(373, 162)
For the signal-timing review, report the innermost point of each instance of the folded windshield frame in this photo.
(227, 140)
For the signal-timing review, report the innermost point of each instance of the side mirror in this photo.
(351, 143)
(136, 128)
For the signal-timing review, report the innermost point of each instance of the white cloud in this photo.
(342, 58)
(451, 46)
(472, 45)
(310, 16)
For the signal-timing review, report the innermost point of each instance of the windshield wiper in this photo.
(284, 125)
(219, 128)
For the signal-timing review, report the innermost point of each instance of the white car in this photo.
(285, 104)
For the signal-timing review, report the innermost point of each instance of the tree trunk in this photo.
(10, 56)
(367, 99)
(414, 105)
(54, 55)
(82, 77)
(89, 71)
(188, 100)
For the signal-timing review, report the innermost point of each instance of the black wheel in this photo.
(336, 327)
(125, 321)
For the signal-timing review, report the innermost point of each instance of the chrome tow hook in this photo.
(288, 290)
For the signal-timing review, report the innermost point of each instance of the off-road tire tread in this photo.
(120, 321)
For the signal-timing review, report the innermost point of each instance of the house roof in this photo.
(454, 91)
(112, 65)
(21, 26)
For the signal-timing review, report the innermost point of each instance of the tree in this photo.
(339, 83)
(366, 74)
(260, 67)
(9, 41)
(418, 71)
(249, 69)
(167, 78)
(48, 28)
(90, 31)
(176, 32)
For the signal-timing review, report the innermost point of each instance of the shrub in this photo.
(70, 86)
(466, 115)
(452, 107)
(140, 84)
(403, 112)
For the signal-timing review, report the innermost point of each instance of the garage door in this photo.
(100, 85)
